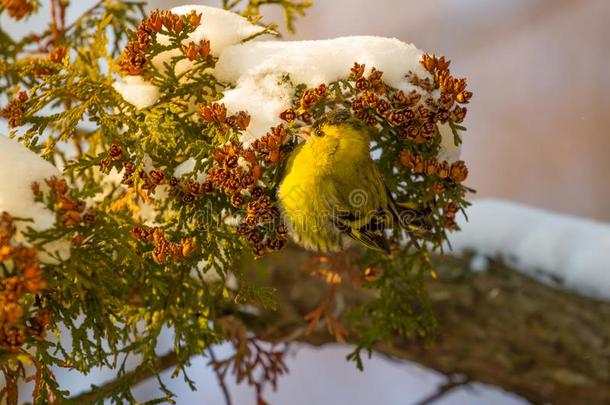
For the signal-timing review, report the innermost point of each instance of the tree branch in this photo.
(221, 381)
(450, 385)
(497, 327)
(131, 378)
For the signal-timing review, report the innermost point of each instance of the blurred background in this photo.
(537, 134)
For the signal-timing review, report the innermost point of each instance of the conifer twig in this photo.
(131, 378)
(452, 383)
(87, 12)
(221, 381)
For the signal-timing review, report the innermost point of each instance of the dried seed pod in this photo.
(308, 99)
(188, 198)
(115, 152)
(243, 229)
(459, 171)
(187, 246)
(463, 97)
(281, 230)
(458, 114)
(357, 71)
(288, 115)
(257, 192)
(156, 176)
(432, 167)
(406, 158)
(419, 165)
(237, 200)
(443, 170)
(363, 84)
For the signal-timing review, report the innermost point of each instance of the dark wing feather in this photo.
(407, 216)
(369, 231)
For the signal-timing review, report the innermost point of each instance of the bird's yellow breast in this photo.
(317, 172)
(315, 163)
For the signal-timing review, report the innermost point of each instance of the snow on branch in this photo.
(22, 170)
(263, 75)
(556, 248)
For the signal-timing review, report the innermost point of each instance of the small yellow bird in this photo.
(332, 190)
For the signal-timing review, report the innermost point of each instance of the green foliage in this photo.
(292, 9)
(401, 307)
(144, 250)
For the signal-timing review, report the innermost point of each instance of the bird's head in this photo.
(336, 124)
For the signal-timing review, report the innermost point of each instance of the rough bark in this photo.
(497, 327)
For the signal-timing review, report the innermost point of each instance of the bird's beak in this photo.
(304, 132)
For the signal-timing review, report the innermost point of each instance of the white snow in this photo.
(449, 151)
(479, 263)
(222, 28)
(323, 61)
(264, 73)
(19, 169)
(137, 91)
(557, 248)
(264, 97)
(188, 166)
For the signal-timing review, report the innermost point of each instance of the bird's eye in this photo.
(319, 132)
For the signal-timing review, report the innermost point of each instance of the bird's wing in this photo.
(367, 225)
(360, 212)
(408, 215)
(368, 231)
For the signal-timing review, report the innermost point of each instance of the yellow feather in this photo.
(332, 189)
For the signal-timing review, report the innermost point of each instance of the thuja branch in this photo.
(157, 245)
(130, 379)
(87, 12)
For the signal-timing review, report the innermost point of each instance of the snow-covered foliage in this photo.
(561, 249)
(137, 91)
(20, 168)
(188, 179)
(263, 74)
(222, 28)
